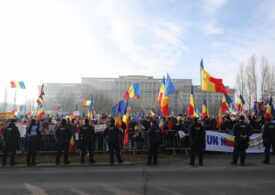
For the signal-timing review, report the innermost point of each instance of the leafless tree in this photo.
(251, 80)
(241, 80)
(265, 79)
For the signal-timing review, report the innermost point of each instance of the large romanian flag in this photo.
(204, 112)
(211, 84)
(90, 110)
(161, 90)
(241, 102)
(132, 92)
(191, 107)
(18, 84)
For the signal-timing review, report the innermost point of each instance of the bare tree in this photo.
(241, 80)
(102, 101)
(265, 79)
(251, 80)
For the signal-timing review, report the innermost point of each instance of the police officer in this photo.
(112, 133)
(196, 141)
(33, 137)
(11, 136)
(242, 131)
(63, 135)
(154, 134)
(268, 139)
(86, 139)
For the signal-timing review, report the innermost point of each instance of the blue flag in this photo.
(91, 104)
(135, 117)
(169, 86)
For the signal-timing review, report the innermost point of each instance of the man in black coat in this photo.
(112, 134)
(33, 137)
(268, 139)
(154, 134)
(196, 141)
(242, 131)
(11, 136)
(86, 139)
(63, 135)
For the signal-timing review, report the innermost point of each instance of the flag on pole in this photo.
(132, 92)
(205, 112)
(90, 110)
(71, 145)
(226, 101)
(211, 84)
(191, 107)
(86, 102)
(169, 86)
(161, 90)
(219, 121)
(18, 84)
(241, 102)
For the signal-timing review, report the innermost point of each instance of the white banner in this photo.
(100, 128)
(223, 142)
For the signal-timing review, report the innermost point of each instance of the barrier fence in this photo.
(170, 140)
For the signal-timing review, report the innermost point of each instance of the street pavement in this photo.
(172, 176)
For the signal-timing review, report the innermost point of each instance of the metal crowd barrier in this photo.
(170, 141)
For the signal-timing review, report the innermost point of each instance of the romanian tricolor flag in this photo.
(133, 92)
(191, 107)
(163, 100)
(71, 145)
(164, 106)
(161, 90)
(205, 112)
(241, 102)
(40, 112)
(226, 101)
(90, 111)
(118, 111)
(152, 112)
(86, 103)
(18, 84)
(40, 108)
(211, 84)
(268, 111)
(197, 112)
(161, 123)
(219, 121)
(18, 111)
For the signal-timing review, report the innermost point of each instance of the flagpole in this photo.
(14, 102)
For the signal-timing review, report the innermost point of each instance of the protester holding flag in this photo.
(63, 135)
(112, 133)
(87, 140)
(33, 137)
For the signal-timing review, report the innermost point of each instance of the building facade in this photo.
(112, 89)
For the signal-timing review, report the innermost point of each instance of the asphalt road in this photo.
(173, 176)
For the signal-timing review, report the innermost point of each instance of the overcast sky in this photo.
(62, 41)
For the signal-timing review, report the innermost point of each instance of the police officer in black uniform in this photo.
(33, 137)
(196, 141)
(63, 135)
(154, 134)
(11, 136)
(268, 139)
(86, 139)
(112, 133)
(242, 131)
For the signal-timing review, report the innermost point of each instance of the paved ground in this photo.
(171, 176)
